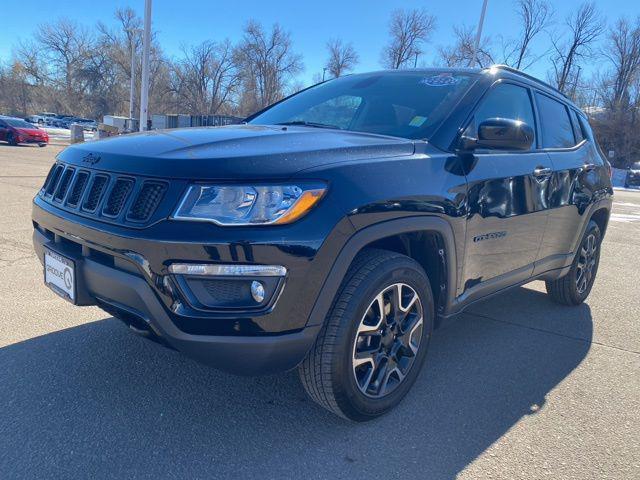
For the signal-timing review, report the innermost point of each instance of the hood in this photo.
(232, 152)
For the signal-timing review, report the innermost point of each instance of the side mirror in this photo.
(501, 134)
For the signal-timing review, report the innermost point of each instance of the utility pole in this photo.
(324, 70)
(144, 87)
(132, 88)
(415, 62)
(476, 45)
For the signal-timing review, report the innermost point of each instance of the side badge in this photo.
(489, 236)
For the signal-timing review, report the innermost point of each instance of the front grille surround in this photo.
(109, 197)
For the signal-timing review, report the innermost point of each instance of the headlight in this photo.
(248, 204)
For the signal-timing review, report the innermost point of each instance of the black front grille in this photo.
(95, 193)
(147, 201)
(63, 185)
(47, 181)
(78, 188)
(118, 196)
(53, 179)
(108, 197)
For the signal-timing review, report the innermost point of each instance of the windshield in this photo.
(17, 123)
(401, 104)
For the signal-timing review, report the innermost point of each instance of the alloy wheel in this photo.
(387, 340)
(585, 269)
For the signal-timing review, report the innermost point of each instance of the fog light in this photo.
(257, 291)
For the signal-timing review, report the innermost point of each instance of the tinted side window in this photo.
(555, 125)
(586, 128)
(577, 128)
(505, 101)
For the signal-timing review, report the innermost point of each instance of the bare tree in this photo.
(208, 77)
(622, 49)
(460, 54)
(342, 58)
(584, 27)
(619, 89)
(268, 58)
(535, 16)
(409, 30)
(67, 47)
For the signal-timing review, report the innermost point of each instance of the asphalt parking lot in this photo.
(517, 387)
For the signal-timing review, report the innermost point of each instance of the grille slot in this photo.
(49, 175)
(78, 189)
(95, 193)
(55, 176)
(63, 186)
(117, 197)
(147, 201)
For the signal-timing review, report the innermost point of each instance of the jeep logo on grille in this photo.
(91, 159)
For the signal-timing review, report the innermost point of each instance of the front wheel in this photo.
(11, 139)
(375, 338)
(575, 286)
(42, 145)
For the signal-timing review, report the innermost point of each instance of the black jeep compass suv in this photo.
(335, 229)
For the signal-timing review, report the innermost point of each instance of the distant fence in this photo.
(185, 121)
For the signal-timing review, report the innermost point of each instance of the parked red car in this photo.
(16, 130)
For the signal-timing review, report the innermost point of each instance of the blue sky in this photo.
(311, 23)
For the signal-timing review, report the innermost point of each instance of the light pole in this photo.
(144, 87)
(132, 88)
(476, 45)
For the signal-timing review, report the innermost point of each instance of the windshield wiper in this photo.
(309, 124)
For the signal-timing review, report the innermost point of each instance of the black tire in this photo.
(11, 139)
(329, 373)
(575, 286)
(42, 145)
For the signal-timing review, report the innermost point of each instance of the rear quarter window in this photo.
(578, 131)
(555, 125)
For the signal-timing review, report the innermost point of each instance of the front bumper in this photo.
(633, 179)
(126, 274)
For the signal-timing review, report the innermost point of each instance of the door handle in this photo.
(542, 171)
(587, 167)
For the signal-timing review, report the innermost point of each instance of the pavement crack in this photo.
(542, 330)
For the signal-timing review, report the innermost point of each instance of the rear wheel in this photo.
(374, 341)
(575, 286)
(42, 145)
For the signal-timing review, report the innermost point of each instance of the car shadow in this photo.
(96, 401)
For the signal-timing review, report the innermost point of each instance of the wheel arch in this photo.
(405, 236)
(601, 217)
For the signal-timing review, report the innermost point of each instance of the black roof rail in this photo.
(507, 68)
